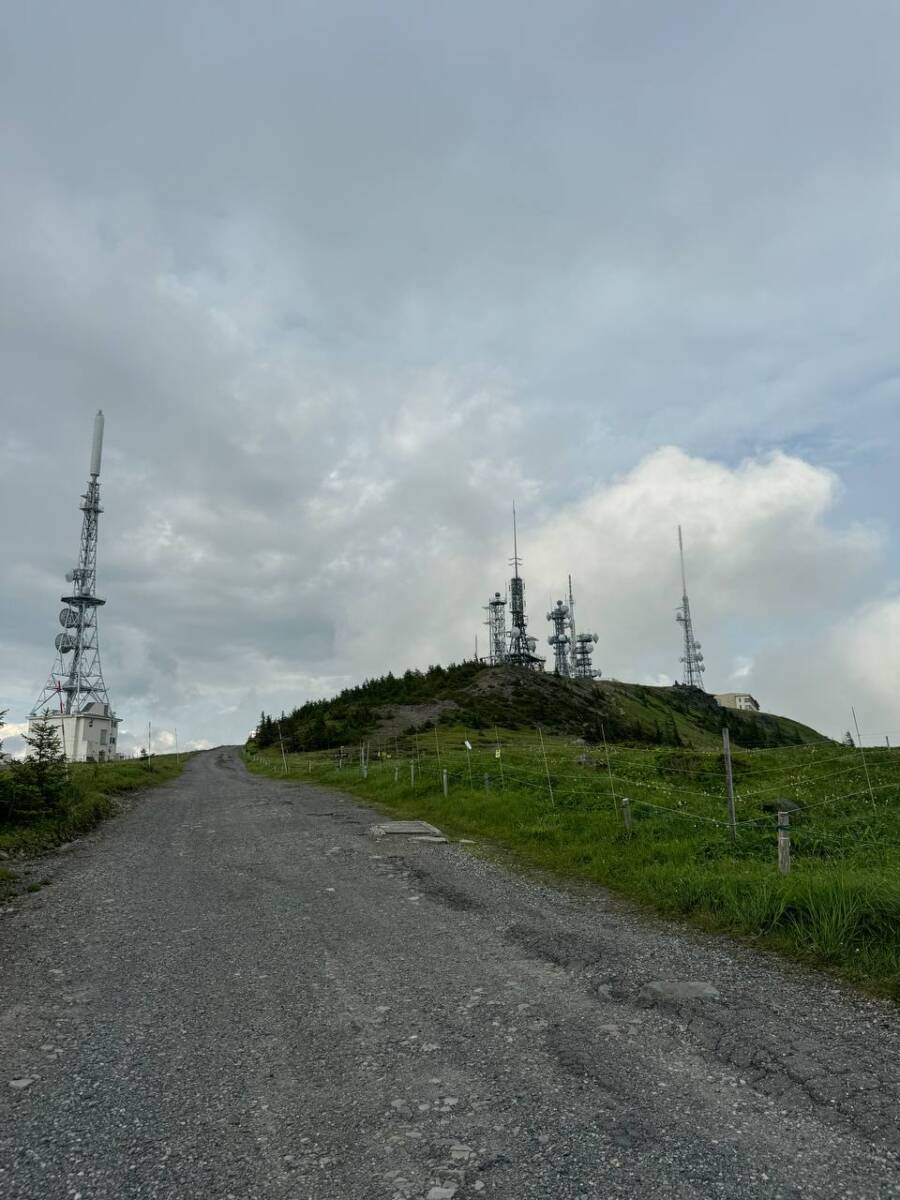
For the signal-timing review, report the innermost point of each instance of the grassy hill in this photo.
(479, 697)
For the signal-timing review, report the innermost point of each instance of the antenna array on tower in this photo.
(572, 651)
(75, 686)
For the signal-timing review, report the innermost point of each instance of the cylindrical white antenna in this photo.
(97, 447)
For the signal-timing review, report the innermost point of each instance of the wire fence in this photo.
(824, 801)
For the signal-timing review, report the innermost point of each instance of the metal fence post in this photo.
(729, 779)
(784, 842)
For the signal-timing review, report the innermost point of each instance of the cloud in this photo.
(346, 286)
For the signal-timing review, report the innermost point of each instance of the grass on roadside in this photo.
(94, 787)
(839, 908)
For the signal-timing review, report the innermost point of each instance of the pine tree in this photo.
(847, 739)
(44, 771)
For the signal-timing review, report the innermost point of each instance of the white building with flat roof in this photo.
(88, 736)
(740, 700)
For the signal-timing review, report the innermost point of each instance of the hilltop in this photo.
(478, 697)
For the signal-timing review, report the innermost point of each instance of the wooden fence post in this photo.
(626, 814)
(444, 781)
(412, 774)
(396, 774)
(784, 842)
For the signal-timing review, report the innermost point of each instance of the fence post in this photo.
(784, 842)
(412, 774)
(444, 782)
(626, 814)
(546, 767)
(396, 774)
(365, 770)
(729, 779)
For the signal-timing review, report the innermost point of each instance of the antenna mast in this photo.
(559, 639)
(75, 684)
(692, 658)
(496, 624)
(581, 646)
(521, 652)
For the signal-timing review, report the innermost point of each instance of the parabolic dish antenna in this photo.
(65, 643)
(68, 618)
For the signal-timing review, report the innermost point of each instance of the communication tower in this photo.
(559, 639)
(496, 623)
(75, 695)
(693, 655)
(581, 645)
(584, 649)
(521, 652)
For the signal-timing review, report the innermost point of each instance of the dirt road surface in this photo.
(234, 991)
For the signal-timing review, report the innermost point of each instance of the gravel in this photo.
(226, 995)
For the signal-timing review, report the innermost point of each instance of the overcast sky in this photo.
(346, 278)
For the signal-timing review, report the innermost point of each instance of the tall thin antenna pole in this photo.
(515, 544)
(573, 656)
(692, 657)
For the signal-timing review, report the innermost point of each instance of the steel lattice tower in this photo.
(496, 624)
(581, 645)
(693, 656)
(521, 651)
(559, 639)
(75, 683)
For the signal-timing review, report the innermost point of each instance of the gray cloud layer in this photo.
(346, 278)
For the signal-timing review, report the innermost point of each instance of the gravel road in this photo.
(234, 990)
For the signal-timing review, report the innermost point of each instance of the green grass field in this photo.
(94, 789)
(839, 907)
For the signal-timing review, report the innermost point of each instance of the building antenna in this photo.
(692, 658)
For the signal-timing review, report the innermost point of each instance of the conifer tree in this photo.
(44, 770)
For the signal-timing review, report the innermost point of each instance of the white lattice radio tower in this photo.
(496, 624)
(75, 694)
(558, 616)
